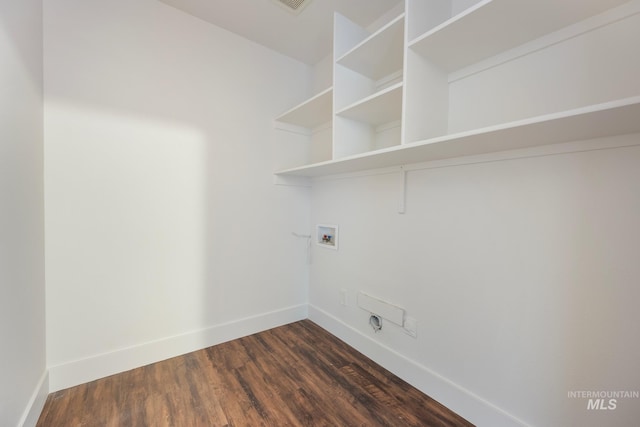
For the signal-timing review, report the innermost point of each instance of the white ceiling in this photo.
(306, 37)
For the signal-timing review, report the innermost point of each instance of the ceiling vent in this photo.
(293, 6)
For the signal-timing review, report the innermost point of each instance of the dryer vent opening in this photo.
(376, 322)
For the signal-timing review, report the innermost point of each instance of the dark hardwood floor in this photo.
(294, 375)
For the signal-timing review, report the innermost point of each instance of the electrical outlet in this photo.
(411, 327)
(343, 297)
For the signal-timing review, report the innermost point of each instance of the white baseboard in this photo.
(458, 399)
(461, 401)
(81, 371)
(36, 403)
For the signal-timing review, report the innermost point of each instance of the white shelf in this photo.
(380, 54)
(380, 108)
(494, 26)
(608, 119)
(311, 113)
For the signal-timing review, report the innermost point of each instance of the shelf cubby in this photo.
(310, 123)
(380, 54)
(484, 65)
(368, 81)
(490, 27)
(370, 61)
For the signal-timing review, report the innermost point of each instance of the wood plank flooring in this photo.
(294, 375)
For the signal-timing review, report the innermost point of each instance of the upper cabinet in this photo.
(451, 78)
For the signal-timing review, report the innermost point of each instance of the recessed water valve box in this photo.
(327, 236)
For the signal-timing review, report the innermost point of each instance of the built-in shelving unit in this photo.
(451, 78)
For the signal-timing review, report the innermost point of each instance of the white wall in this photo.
(22, 293)
(520, 268)
(521, 273)
(164, 232)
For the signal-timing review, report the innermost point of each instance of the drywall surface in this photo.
(22, 293)
(522, 275)
(162, 219)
